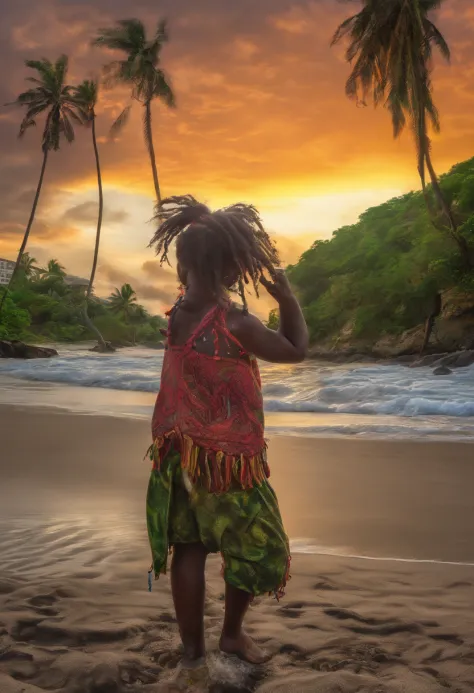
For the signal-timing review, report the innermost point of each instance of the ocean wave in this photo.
(276, 405)
(446, 431)
(308, 388)
(140, 374)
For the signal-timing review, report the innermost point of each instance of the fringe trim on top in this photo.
(217, 471)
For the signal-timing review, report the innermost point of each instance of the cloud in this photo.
(163, 292)
(291, 249)
(43, 233)
(87, 212)
(154, 270)
(262, 115)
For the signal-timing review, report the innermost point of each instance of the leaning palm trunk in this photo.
(28, 229)
(151, 149)
(448, 214)
(423, 146)
(87, 319)
(420, 78)
(430, 322)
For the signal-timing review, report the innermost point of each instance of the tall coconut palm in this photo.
(52, 97)
(86, 95)
(390, 49)
(140, 70)
(123, 301)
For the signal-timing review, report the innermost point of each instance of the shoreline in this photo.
(74, 398)
(76, 615)
(353, 497)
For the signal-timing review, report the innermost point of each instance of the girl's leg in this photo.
(188, 586)
(234, 639)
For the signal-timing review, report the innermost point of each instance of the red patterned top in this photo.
(210, 404)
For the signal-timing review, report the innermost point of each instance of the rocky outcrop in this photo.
(459, 359)
(101, 349)
(341, 355)
(20, 350)
(453, 336)
(406, 344)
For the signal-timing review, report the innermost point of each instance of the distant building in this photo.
(6, 271)
(76, 282)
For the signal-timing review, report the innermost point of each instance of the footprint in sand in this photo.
(374, 626)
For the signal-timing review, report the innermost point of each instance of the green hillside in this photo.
(383, 274)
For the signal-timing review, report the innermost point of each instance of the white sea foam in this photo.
(307, 546)
(309, 399)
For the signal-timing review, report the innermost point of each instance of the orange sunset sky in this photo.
(262, 117)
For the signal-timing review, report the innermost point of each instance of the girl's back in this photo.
(210, 400)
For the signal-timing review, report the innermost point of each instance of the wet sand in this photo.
(76, 617)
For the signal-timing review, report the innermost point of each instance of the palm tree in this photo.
(28, 265)
(138, 316)
(390, 49)
(141, 71)
(51, 96)
(123, 301)
(54, 270)
(86, 95)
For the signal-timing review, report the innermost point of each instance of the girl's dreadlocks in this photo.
(229, 245)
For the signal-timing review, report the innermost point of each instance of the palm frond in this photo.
(50, 95)
(78, 113)
(390, 45)
(163, 90)
(118, 72)
(433, 114)
(121, 121)
(128, 36)
(433, 35)
(135, 30)
(61, 68)
(162, 33)
(25, 125)
(67, 128)
(43, 66)
(140, 67)
(28, 97)
(342, 30)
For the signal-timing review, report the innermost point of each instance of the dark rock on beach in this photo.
(442, 370)
(20, 350)
(109, 348)
(458, 359)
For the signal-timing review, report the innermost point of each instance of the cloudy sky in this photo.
(261, 117)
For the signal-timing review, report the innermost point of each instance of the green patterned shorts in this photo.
(245, 526)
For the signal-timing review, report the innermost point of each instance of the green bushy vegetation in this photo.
(44, 307)
(382, 275)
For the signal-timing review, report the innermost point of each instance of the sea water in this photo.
(310, 399)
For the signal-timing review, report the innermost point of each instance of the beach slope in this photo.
(76, 615)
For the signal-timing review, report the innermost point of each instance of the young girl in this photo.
(208, 490)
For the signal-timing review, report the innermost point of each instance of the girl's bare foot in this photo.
(243, 647)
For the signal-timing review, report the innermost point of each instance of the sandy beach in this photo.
(76, 616)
